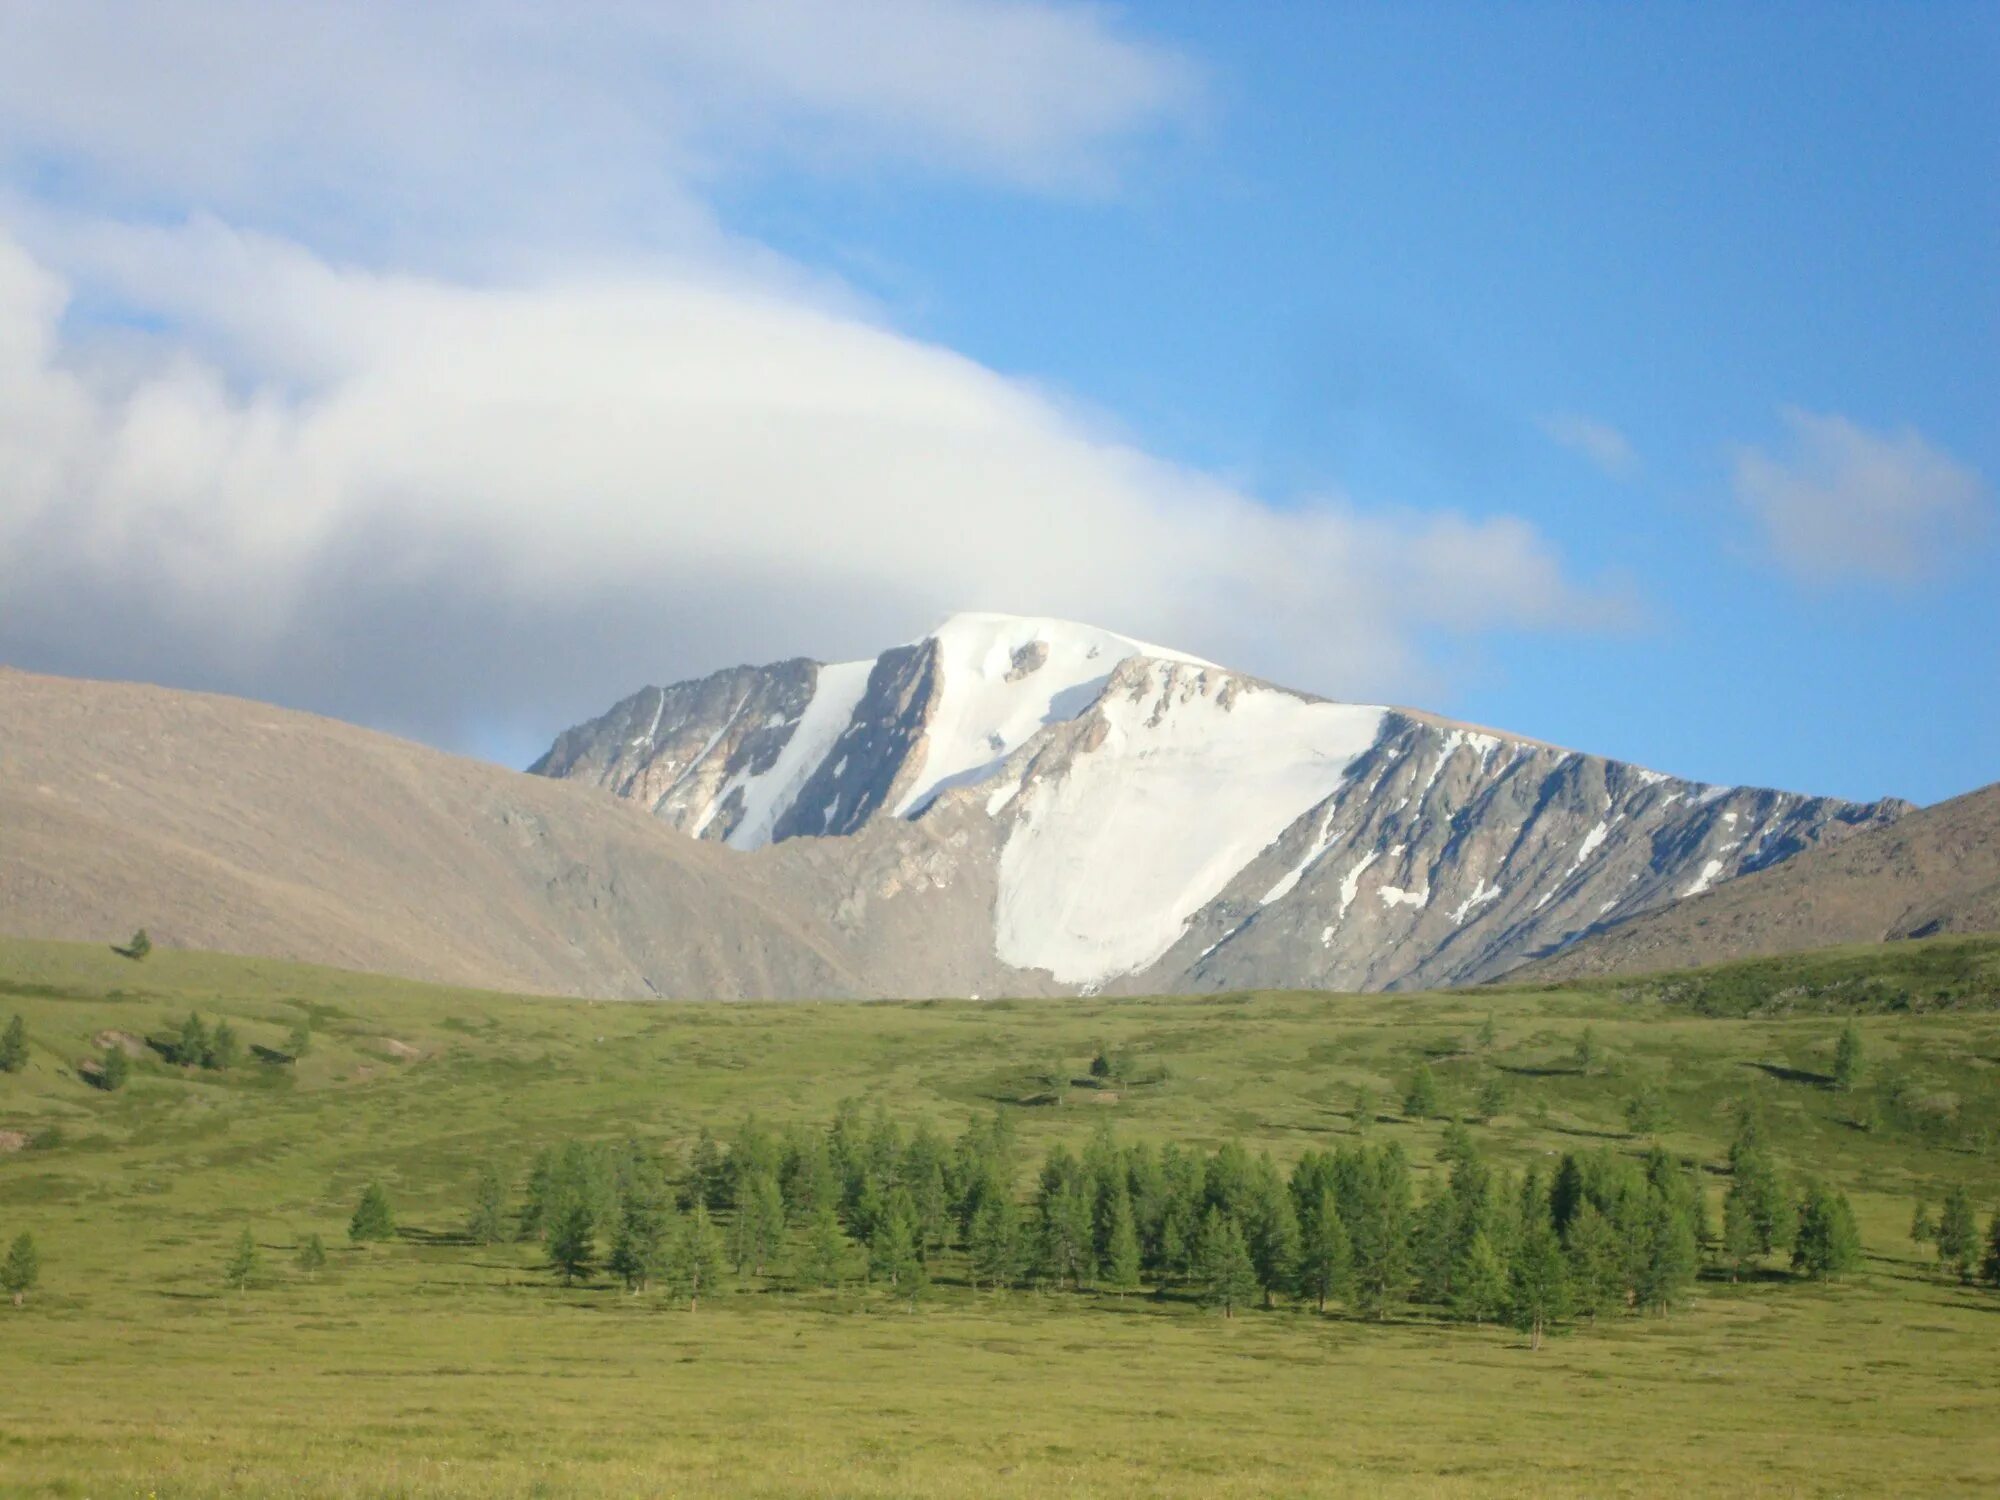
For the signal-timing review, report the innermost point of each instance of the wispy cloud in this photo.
(1848, 502)
(1600, 442)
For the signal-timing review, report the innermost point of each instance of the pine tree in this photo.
(639, 1244)
(113, 1068)
(1923, 1229)
(1420, 1098)
(1586, 1055)
(1491, 1100)
(139, 947)
(242, 1262)
(191, 1050)
(1827, 1243)
(223, 1051)
(22, 1269)
(1957, 1233)
(1228, 1279)
(760, 1221)
(1068, 1240)
(1646, 1112)
(312, 1256)
(994, 1241)
(696, 1262)
(1121, 1247)
(1271, 1231)
(1326, 1257)
(892, 1248)
(1847, 1058)
(486, 1224)
(825, 1248)
(1596, 1261)
(372, 1218)
(1364, 1109)
(708, 1173)
(298, 1042)
(1482, 1286)
(572, 1240)
(1669, 1257)
(1742, 1245)
(1992, 1266)
(1538, 1288)
(14, 1046)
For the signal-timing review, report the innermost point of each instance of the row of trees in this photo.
(1601, 1233)
(195, 1044)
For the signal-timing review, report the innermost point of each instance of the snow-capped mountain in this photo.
(1030, 803)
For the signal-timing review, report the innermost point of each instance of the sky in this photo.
(1623, 376)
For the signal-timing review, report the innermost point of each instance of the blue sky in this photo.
(1625, 376)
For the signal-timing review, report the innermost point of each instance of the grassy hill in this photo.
(431, 1366)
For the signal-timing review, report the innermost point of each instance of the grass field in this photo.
(431, 1366)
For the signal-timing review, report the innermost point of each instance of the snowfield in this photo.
(1196, 773)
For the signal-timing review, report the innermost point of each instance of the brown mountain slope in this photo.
(1935, 871)
(219, 823)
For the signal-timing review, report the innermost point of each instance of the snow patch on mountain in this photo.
(1187, 773)
(1002, 678)
(768, 797)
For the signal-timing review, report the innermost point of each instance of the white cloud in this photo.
(1601, 443)
(1849, 502)
(484, 123)
(440, 506)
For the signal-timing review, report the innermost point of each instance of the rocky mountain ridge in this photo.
(1081, 810)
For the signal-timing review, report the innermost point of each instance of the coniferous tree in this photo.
(993, 1243)
(1957, 1233)
(708, 1173)
(572, 1240)
(1481, 1288)
(1827, 1243)
(113, 1068)
(1742, 1244)
(892, 1248)
(1992, 1266)
(223, 1052)
(14, 1046)
(21, 1271)
(1364, 1109)
(1326, 1257)
(1228, 1278)
(1539, 1282)
(1420, 1097)
(760, 1221)
(1923, 1229)
(486, 1224)
(696, 1261)
(1433, 1248)
(1669, 1257)
(825, 1248)
(139, 947)
(191, 1050)
(538, 1203)
(640, 1242)
(1120, 1263)
(372, 1219)
(1491, 1100)
(1271, 1230)
(242, 1262)
(1646, 1112)
(1596, 1264)
(298, 1042)
(1488, 1033)
(311, 1257)
(1068, 1239)
(1586, 1055)
(1375, 1206)
(1849, 1059)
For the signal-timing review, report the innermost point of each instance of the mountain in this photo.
(218, 823)
(1044, 805)
(1935, 871)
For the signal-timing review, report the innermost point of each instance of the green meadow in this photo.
(433, 1366)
